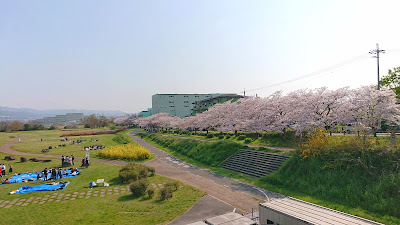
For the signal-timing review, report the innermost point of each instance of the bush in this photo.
(241, 137)
(128, 176)
(139, 187)
(210, 136)
(172, 185)
(248, 140)
(128, 151)
(165, 193)
(134, 172)
(150, 192)
(151, 170)
(227, 136)
(221, 136)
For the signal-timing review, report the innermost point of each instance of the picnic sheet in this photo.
(55, 186)
(24, 177)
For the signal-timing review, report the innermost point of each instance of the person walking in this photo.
(87, 162)
(10, 168)
(62, 159)
(73, 159)
(83, 162)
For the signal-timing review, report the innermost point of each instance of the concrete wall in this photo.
(277, 218)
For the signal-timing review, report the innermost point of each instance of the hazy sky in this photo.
(117, 54)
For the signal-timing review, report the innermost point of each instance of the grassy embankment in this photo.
(322, 179)
(110, 209)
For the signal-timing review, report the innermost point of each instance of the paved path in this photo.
(205, 208)
(239, 194)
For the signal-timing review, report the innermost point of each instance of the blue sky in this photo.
(116, 54)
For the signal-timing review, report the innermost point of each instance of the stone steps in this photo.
(254, 163)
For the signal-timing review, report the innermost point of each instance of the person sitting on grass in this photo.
(39, 176)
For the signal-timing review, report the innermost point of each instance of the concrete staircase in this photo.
(254, 163)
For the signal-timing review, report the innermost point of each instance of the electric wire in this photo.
(321, 71)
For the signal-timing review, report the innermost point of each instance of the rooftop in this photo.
(311, 213)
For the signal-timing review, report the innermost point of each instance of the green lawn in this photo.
(33, 144)
(111, 209)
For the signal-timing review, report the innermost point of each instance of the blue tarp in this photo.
(33, 176)
(43, 187)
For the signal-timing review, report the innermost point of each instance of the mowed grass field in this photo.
(31, 142)
(110, 209)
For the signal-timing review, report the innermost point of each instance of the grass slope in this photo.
(352, 191)
(208, 153)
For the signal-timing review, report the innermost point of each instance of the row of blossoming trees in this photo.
(300, 111)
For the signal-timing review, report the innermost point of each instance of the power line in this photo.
(324, 70)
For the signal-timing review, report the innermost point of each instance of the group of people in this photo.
(68, 159)
(3, 169)
(94, 147)
(85, 162)
(55, 173)
(77, 142)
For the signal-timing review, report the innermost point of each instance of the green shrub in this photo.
(165, 193)
(173, 185)
(210, 135)
(151, 170)
(134, 172)
(221, 137)
(150, 192)
(241, 137)
(139, 187)
(227, 136)
(128, 176)
(248, 140)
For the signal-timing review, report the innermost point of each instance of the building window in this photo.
(186, 106)
(196, 96)
(171, 101)
(185, 101)
(171, 106)
(186, 96)
(171, 96)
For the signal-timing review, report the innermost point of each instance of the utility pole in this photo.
(377, 51)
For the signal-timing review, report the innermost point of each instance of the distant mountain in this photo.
(26, 114)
